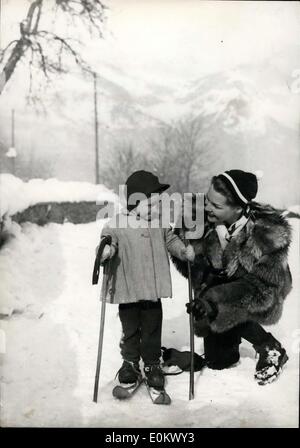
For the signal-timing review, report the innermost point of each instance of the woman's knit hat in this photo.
(243, 185)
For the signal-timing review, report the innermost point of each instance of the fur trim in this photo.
(258, 274)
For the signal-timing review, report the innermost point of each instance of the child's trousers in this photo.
(141, 325)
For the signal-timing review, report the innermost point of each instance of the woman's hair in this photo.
(221, 187)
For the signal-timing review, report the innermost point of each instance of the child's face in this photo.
(149, 208)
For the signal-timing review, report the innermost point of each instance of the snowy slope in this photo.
(51, 344)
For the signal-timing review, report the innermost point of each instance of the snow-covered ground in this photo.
(49, 345)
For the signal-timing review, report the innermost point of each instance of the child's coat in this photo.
(140, 268)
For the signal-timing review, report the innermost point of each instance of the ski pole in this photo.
(100, 346)
(104, 241)
(192, 339)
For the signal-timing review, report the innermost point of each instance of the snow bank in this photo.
(16, 195)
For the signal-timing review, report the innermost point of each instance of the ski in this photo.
(126, 391)
(158, 396)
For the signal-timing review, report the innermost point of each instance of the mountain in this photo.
(249, 116)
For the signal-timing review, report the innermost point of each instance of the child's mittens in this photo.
(188, 253)
(108, 252)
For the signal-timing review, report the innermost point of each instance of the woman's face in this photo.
(217, 209)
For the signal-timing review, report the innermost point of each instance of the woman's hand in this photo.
(197, 308)
(201, 319)
(202, 309)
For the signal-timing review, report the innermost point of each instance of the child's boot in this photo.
(129, 372)
(154, 375)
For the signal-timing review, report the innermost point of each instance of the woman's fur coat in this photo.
(258, 277)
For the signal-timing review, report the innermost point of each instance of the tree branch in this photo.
(91, 11)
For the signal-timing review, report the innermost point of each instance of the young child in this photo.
(139, 276)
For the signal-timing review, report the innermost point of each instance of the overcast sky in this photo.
(168, 40)
(184, 39)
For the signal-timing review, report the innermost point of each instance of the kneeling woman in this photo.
(240, 275)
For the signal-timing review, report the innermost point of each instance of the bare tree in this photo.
(125, 161)
(181, 154)
(45, 49)
(186, 135)
(163, 154)
(193, 152)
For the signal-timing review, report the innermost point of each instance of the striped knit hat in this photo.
(243, 185)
